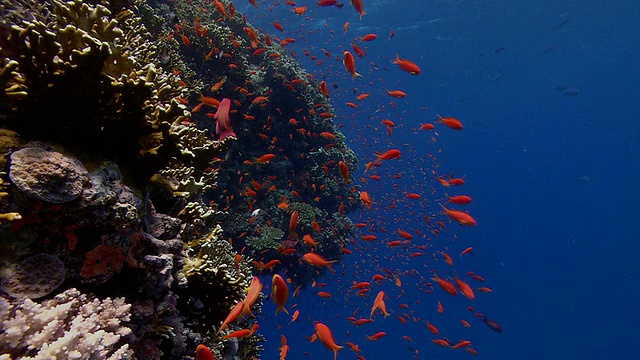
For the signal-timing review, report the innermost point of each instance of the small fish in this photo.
(493, 325)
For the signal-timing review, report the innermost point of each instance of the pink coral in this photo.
(223, 125)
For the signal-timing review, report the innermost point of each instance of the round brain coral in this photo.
(47, 175)
(34, 276)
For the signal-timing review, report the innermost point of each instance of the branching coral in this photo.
(70, 326)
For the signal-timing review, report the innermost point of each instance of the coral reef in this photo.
(109, 179)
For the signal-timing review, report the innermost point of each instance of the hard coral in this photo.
(47, 175)
(34, 276)
(70, 326)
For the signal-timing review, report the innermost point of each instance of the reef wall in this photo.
(119, 193)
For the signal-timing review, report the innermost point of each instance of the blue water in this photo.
(549, 96)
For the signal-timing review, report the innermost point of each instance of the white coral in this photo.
(70, 326)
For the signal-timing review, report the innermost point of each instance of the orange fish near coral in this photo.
(350, 64)
(233, 314)
(317, 260)
(264, 159)
(223, 124)
(344, 171)
(366, 200)
(203, 353)
(253, 292)
(279, 292)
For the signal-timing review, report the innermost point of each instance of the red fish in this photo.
(376, 336)
(326, 337)
(344, 171)
(223, 124)
(445, 285)
(350, 64)
(396, 93)
(450, 122)
(465, 289)
(407, 66)
(279, 292)
(357, 5)
(369, 37)
(317, 260)
(461, 217)
(203, 353)
(459, 199)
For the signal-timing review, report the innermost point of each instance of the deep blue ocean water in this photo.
(549, 93)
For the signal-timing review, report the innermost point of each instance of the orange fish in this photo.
(294, 317)
(366, 200)
(317, 260)
(344, 171)
(376, 336)
(461, 217)
(325, 336)
(450, 122)
(468, 250)
(362, 96)
(300, 10)
(447, 258)
(350, 64)
(389, 155)
(293, 223)
(357, 5)
(369, 37)
(238, 334)
(465, 289)
(327, 135)
(445, 285)
(233, 314)
(264, 159)
(459, 199)
(279, 292)
(406, 65)
(253, 292)
(396, 93)
(203, 353)
(378, 303)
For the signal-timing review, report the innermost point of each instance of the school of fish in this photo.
(417, 224)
